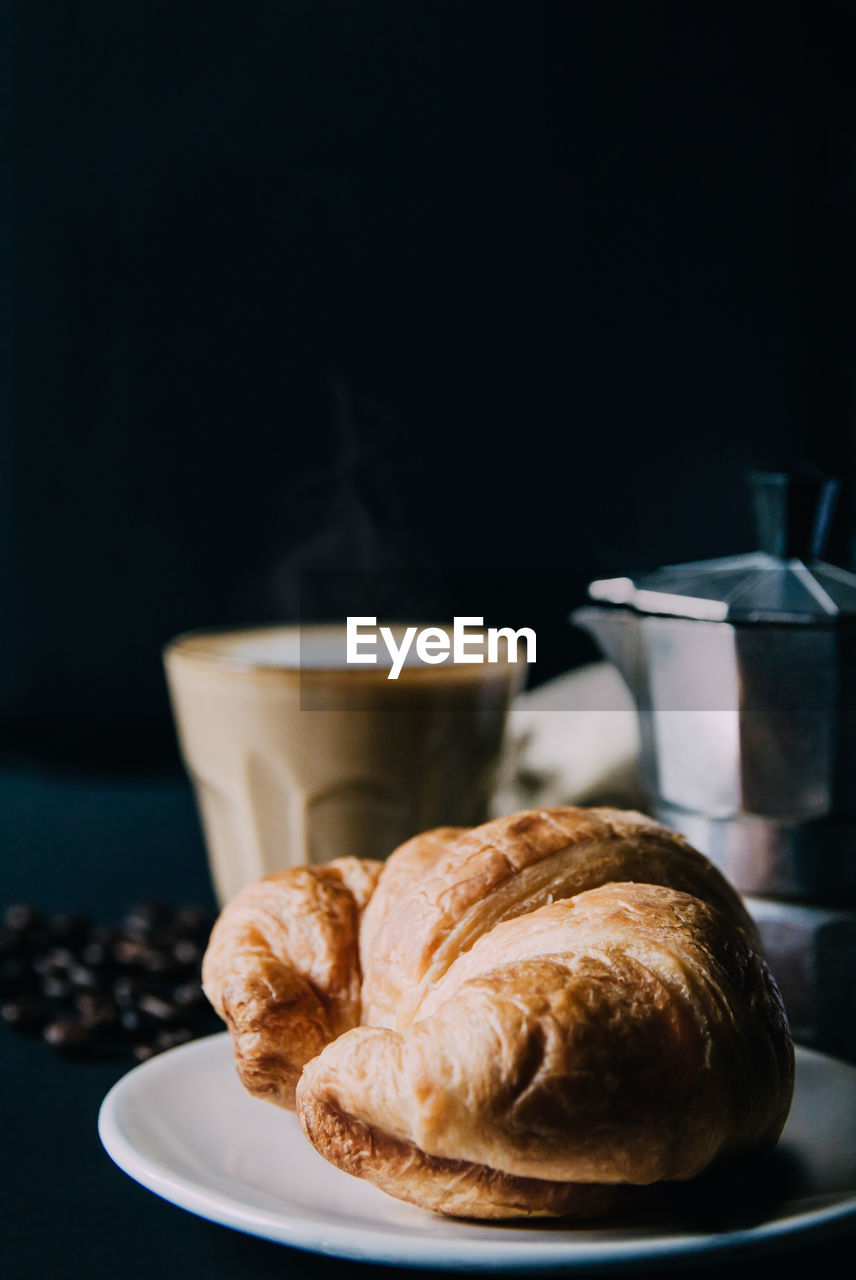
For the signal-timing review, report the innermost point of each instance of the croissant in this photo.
(542, 1016)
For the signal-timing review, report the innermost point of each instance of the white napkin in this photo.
(573, 740)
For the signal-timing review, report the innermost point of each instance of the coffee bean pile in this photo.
(90, 990)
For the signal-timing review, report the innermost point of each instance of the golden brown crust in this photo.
(504, 869)
(629, 1035)
(409, 865)
(453, 1187)
(539, 1017)
(282, 969)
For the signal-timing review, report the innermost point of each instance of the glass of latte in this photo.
(298, 756)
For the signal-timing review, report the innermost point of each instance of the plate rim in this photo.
(315, 1233)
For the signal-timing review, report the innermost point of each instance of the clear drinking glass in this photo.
(296, 757)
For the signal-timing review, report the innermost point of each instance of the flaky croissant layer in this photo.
(533, 1018)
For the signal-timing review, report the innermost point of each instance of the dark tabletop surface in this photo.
(67, 1211)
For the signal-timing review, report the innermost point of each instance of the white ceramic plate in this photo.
(184, 1127)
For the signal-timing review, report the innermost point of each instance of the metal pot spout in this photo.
(616, 631)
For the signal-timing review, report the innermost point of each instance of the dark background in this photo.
(514, 288)
(498, 295)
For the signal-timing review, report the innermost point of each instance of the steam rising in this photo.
(347, 565)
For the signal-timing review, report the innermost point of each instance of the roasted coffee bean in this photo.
(68, 1036)
(14, 974)
(96, 1009)
(82, 976)
(22, 917)
(186, 953)
(142, 1052)
(134, 954)
(125, 991)
(174, 1036)
(129, 951)
(155, 961)
(188, 995)
(136, 1021)
(56, 986)
(70, 928)
(193, 920)
(27, 1013)
(147, 917)
(157, 1008)
(98, 955)
(130, 1020)
(56, 960)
